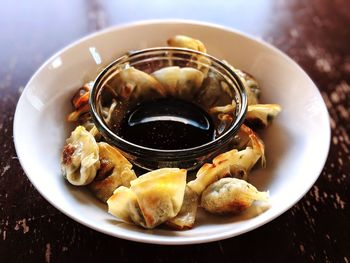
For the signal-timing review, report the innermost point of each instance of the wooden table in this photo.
(316, 34)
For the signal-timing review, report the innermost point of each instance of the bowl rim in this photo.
(173, 154)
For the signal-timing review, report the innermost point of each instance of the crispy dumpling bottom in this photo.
(152, 198)
(230, 196)
(115, 170)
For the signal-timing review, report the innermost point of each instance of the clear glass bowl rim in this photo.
(167, 155)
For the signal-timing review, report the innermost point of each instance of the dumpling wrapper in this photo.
(230, 196)
(261, 115)
(187, 214)
(194, 44)
(233, 163)
(123, 204)
(181, 82)
(131, 83)
(80, 157)
(118, 168)
(187, 42)
(159, 197)
(210, 90)
(250, 84)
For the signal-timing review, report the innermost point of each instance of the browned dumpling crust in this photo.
(230, 196)
(152, 199)
(115, 170)
(259, 116)
(186, 217)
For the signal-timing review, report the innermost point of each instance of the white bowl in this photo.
(297, 143)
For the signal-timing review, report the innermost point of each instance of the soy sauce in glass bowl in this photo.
(167, 124)
(161, 106)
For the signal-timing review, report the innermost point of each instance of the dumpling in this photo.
(233, 163)
(123, 204)
(80, 157)
(152, 199)
(229, 108)
(244, 137)
(249, 82)
(182, 82)
(183, 41)
(261, 115)
(251, 85)
(187, 42)
(211, 90)
(230, 196)
(187, 215)
(115, 170)
(131, 83)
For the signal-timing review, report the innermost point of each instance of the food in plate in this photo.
(187, 215)
(261, 115)
(233, 163)
(152, 199)
(230, 195)
(168, 196)
(80, 157)
(179, 82)
(115, 170)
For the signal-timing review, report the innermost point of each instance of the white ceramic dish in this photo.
(297, 143)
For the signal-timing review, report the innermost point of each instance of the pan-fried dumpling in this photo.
(233, 163)
(152, 199)
(181, 82)
(250, 84)
(80, 158)
(187, 42)
(210, 90)
(230, 196)
(261, 115)
(123, 204)
(131, 83)
(115, 170)
(194, 44)
(187, 215)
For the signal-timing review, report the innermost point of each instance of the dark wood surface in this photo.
(316, 34)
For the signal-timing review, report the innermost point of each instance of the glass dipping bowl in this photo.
(134, 78)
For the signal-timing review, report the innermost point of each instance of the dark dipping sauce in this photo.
(167, 124)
